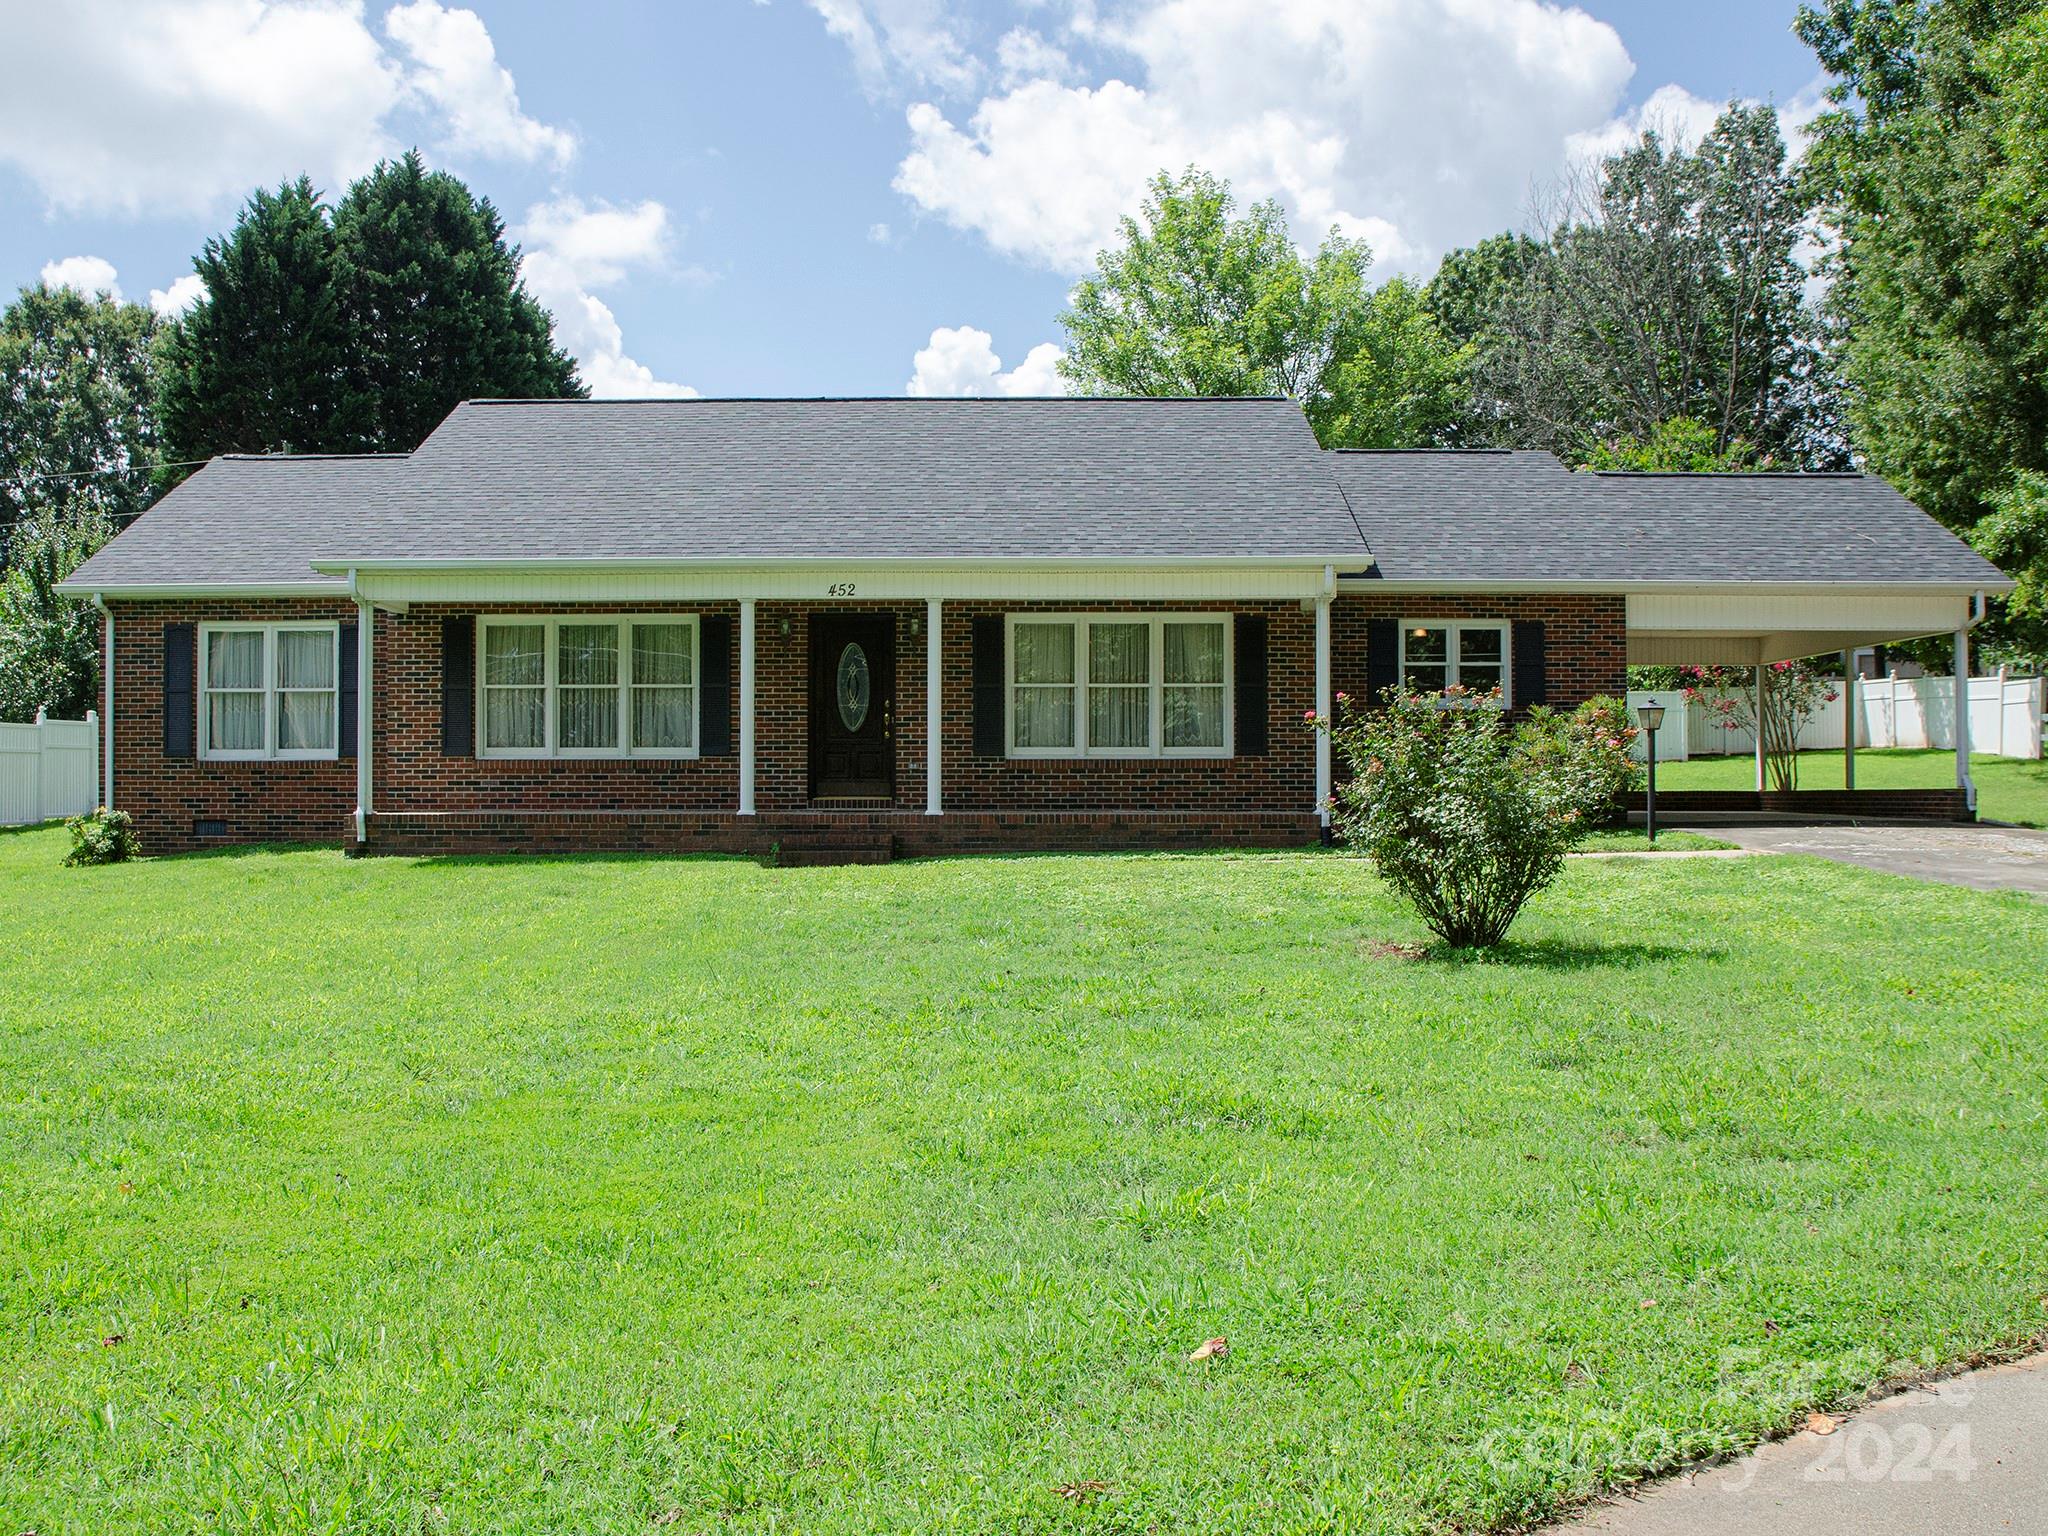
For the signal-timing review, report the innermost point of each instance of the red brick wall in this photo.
(315, 801)
(1585, 637)
(261, 801)
(1281, 781)
(413, 775)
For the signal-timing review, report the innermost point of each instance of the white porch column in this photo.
(934, 691)
(1323, 708)
(366, 630)
(746, 706)
(1963, 780)
(1849, 691)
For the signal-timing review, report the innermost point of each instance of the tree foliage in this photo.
(1198, 299)
(260, 365)
(1933, 177)
(78, 437)
(1683, 445)
(1666, 289)
(356, 328)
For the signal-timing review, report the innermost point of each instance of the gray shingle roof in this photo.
(1522, 516)
(245, 521)
(863, 479)
(992, 479)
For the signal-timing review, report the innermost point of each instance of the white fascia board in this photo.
(166, 590)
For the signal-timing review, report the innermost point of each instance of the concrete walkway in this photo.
(1961, 1457)
(1989, 858)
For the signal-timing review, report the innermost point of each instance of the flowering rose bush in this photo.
(1466, 814)
(1792, 692)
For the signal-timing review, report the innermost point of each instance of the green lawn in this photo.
(2008, 788)
(637, 1195)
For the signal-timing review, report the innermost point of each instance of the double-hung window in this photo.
(578, 686)
(269, 690)
(1439, 653)
(1119, 685)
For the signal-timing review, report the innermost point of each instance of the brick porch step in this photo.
(807, 846)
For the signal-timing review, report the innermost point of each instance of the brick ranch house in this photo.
(855, 628)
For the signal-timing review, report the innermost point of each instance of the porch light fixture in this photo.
(785, 626)
(1650, 714)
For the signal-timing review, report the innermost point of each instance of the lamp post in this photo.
(1651, 715)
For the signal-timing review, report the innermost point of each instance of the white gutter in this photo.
(170, 589)
(1662, 588)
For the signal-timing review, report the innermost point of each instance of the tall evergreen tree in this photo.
(259, 364)
(435, 310)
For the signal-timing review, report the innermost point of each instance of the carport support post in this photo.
(1323, 709)
(1848, 719)
(1759, 713)
(1963, 780)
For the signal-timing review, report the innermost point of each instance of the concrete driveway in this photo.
(1964, 1456)
(1989, 858)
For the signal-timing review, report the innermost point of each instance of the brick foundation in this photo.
(1879, 804)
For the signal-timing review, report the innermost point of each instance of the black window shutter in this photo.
(1249, 643)
(1382, 658)
(458, 685)
(181, 706)
(714, 687)
(345, 694)
(1526, 648)
(988, 685)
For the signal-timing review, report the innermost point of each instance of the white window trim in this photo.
(1156, 683)
(270, 751)
(551, 689)
(1456, 628)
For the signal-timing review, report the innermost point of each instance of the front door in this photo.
(853, 707)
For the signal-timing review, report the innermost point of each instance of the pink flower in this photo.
(1343, 698)
(1308, 714)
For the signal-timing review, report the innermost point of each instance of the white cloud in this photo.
(573, 247)
(879, 233)
(179, 106)
(912, 39)
(1022, 54)
(1417, 124)
(457, 70)
(961, 360)
(1671, 111)
(89, 275)
(180, 296)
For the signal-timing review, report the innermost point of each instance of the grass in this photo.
(1669, 840)
(2008, 788)
(636, 1195)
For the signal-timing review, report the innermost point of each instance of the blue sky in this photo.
(834, 196)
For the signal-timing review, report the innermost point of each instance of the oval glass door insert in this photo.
(853, 687)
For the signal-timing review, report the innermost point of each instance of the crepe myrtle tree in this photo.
(1792, 692)
(1466, 812)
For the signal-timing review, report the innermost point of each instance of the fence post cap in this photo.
(42, 714)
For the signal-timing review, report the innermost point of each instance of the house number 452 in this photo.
(840, 589)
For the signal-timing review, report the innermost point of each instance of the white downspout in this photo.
(366, 628)
(106, 795)
(1323, 702)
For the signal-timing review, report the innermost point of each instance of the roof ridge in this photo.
(899, 400)
(1731, 474)
(296, 458)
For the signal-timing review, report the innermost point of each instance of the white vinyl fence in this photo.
(2005, 719)
(49, 769)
